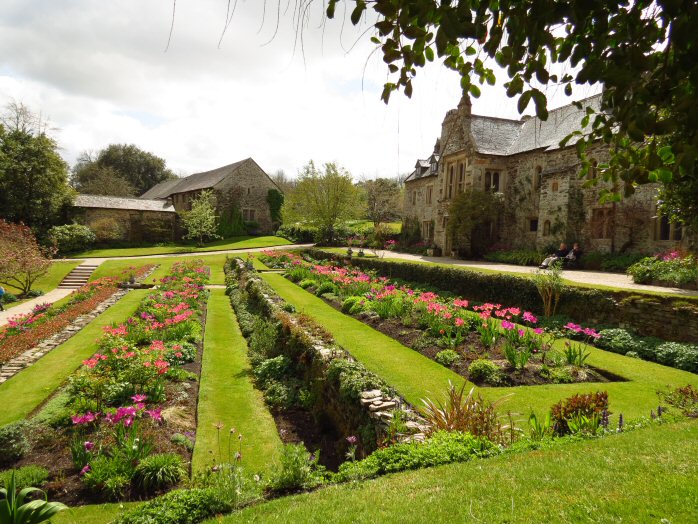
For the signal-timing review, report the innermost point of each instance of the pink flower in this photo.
(459, 321)
(591, 333)
(89, 446)
(530, 317)
(155, 414)
(573, 327)
(460, 303)
(522, 332)
(507, 325)
(139, 398)
(538, 331)
(84, 470)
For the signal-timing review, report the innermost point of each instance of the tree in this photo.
(22, 261)
(643, 53)
(275, 199)
(383, 200)
(120, 163)
(33, 177)
(201, 222)
(283, 182)
(323, 199)
(470, 216)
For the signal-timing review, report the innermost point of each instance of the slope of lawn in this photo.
(604, 480)
(244, 242)
(46, 283)
(92, 514)
(226, 396)
(20, 395)
(416, 377)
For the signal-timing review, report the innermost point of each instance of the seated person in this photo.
(572, 258)
(561, 253)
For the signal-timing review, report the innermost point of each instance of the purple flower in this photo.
(352, 440)
(85, 470)
(89, 446)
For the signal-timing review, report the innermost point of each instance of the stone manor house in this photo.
(545, 202)
(240, 189)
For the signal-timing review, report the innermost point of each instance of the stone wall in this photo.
(131, 225)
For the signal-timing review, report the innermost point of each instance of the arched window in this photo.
(537, 177)
(546, 228)
(492, 181)
(449, 189)
(555, 187)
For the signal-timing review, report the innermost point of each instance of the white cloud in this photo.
(98, 70)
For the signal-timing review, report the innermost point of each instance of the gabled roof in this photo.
(494, 136)
(193, 182)
(135, 204)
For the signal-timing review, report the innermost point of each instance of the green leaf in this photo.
(666, 154)
(568, 89)
(429, 53)
(474, 90)
(524, 99)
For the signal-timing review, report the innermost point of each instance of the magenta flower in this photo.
(139, 398)
(155, 414)
(574, 327)
(538, 331)
(89, 446)
(84, 470)
(530, 317)
(507, 325)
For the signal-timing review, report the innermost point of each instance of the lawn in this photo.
(246, 242)
(30, 387)
(92, 514)
(48, 282)
(416, 376)
(119, 268)
(226, 395)
(604, 480)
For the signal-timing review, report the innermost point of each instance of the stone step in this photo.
(78, 277)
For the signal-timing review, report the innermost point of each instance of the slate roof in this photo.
(423, 169)
(504, 137)
(135, 204)
(192, 182)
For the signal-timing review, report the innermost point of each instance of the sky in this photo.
(102, 72)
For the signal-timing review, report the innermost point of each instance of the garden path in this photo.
(594, 278)
(26, 307)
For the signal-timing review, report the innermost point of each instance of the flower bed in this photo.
(667, 269)
(490, 344)
(24, 332)
(120, 423)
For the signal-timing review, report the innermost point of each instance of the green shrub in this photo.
(482, 370)
(519, 257)
(562, 375)
(307, 282)
(71, 237)
(8, 298)
(277, 394)
(25, 477)
(447, 357)
(673, 270)
(442, 447)
(271, 369)
(14, 443)
(159, 471)
(617, 341)
(298, 233)
(177, 507)
(264, 337)
(352, 304)
(353, 378)
(682, 356)
(327, 287)
(109, 475)
(687, 359)
(297, 469)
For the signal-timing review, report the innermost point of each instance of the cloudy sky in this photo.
(99, 71)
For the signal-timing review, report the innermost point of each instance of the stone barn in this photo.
(241, 191)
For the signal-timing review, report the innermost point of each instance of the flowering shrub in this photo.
(24, 332)
(672, 268)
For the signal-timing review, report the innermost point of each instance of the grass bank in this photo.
(604, 480)
(416, 376)
(244, 242)
(226, 395)
(20, 395)
(48, 282)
